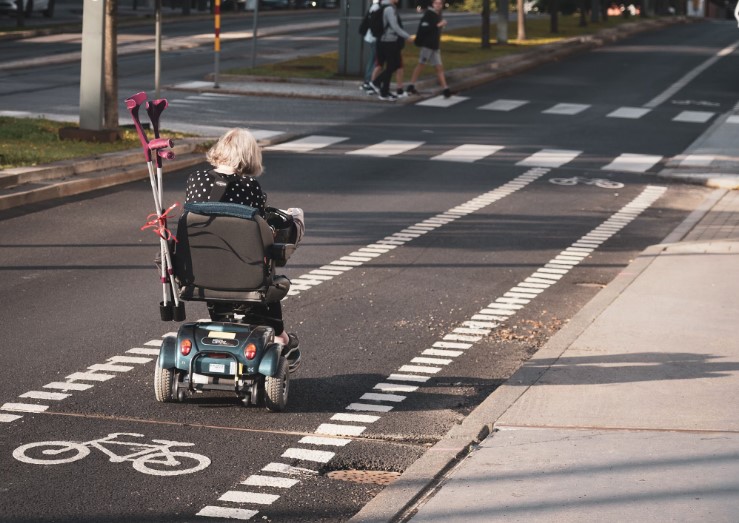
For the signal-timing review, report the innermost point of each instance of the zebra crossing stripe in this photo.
(693, 116)
(633, 163)
(387, 148)
(258, 480)
(440, 101)
(566, 109)
(366, 407)
(468, 153)
(41, 395)
(238, 496)
(7, 418)
(318, 440)
(24, 407)
(307, 144)
(227, 513)
(503, 105)
(632, 113)
(697, 160)
(551, 158)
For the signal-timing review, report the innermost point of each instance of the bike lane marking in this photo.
(462, 338)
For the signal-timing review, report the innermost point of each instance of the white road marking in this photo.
(109, 367)
(566, 109)
(697, 160)
(690, 76)
(408, 377)
(503, 105)
(41, 395)
(283, 468)
(8, 418)
(90, 376)
(634, 163)
(373, 396)
(468, 153)
(227, 513)
(307, 144)
(633, 113)
(440, 101)
(257, 480)
(318, 456)
(550, 158)
(130, 359)
(239, 496)
(395, 387)
(141, 350)
(693, 116)
(359, 418)
(339, 430)
(24, 407)
(387, 148)
(366, 407)
(318, 440)
(419, 368)
(67, 385)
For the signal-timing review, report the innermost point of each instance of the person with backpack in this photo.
(370, 39)
(428, 38)
(389, 48)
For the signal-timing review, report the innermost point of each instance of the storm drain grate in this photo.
(377, 477)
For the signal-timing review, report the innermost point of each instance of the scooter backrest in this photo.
(223, 247)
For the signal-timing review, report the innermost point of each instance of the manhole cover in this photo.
(377, 477)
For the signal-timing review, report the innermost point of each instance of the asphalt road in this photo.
(80, 289)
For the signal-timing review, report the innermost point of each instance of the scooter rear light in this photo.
(250, 351)
(185, 347)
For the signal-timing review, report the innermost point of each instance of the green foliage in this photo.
(35, 141)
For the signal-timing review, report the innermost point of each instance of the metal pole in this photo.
(158, 47)
(254, 31)
(217, 47)
(91, 65)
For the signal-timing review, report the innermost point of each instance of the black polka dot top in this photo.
(241, 189)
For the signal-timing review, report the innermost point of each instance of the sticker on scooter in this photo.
(598, 182)
(157, 460)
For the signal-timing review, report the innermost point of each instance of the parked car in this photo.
(46, 7)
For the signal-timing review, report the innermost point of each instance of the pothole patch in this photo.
(375, 477)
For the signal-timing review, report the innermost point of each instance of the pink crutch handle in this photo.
(167, 155)
(160, 143)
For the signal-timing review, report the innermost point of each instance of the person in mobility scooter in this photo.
(224, 253)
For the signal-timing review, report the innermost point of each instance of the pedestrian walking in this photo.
(366, 31)
(428, 38)
(389, 49)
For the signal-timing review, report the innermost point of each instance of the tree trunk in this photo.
(521, 20)
(595, 11)
(553, 17)
(583, 13)
(485, 30)
(503, 21)
(111, 65)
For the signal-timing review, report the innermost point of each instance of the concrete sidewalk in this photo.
(630, 412)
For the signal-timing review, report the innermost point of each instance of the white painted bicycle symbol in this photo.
(598, 182)
(158, 460)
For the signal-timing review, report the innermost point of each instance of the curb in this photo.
(401, 499)
(52, 188)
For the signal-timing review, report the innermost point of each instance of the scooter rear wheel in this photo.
(277, 387)
(163, 381)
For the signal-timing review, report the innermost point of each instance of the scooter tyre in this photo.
(276, 387)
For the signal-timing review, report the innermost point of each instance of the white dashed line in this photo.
(318, 456)
(258, 480)
(227, 513)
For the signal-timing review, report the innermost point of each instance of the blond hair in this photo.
(239, 150)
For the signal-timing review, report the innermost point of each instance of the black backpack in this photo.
(377, 22)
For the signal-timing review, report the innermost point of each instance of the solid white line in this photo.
(318, 456)
(318, 440)
(339, 430)
(237, 496)
(359, 418)
(23, 407)
(227, 513)
(41, 395)
(257, 480)
(689, 77)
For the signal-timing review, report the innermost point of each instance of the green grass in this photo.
(35, 141)
(459, 48)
